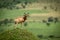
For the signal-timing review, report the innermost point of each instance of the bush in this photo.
(48, 24)
(25, 2)
(44, 21)
(45, 7)
(18, 8)
(51, 36)
(23, 6)
(5, 21)
(40, 36)
(50, 19)
(56, 20)
(25, 24)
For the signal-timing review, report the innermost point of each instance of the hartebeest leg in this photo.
(16, 24)
(21, 24)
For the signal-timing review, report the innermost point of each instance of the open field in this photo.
(38, 11)
(37, 27)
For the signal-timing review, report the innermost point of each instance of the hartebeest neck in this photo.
(25, 18)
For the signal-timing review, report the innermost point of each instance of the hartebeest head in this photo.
(25, 16)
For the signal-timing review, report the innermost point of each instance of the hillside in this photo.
(17, 34)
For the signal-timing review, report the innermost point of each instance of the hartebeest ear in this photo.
(27, 13)
(24, 13)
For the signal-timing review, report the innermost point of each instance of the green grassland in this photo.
(37, 28)
(5, 13)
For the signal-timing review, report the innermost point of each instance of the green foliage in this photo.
(17, 34)
(6, 3)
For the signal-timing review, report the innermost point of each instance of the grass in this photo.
(37, 28)
(15, 13)
(17, 34)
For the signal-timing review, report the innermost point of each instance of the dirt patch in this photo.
(46, 15)
(43, 16)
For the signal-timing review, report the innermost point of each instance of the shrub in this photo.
(50, 19)
(51, 36)
(40, 36)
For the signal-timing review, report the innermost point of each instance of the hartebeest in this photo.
(21, 19)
